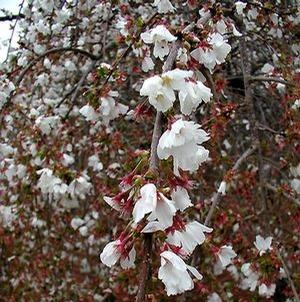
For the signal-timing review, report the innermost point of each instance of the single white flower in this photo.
(160, 208)
(164, 6)
(174, 273)
(160, 37)
(146, 203)
(7, 215)
(115, 251)
(225, 255)
(181, 198)
(80, 187)
(47, 124)
(220, 47)
(215, 54)
(240, 6)
(110, 109)
(160, 89)
(192, 95)
(263, 244)
(189, 237)
(89, 113)
(266, 291)
(221, 27)
(251, 278)
(182, 142)
(77, 223)
(147, 64)
(160, 96)
(176, 79)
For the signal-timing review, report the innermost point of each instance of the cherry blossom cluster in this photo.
(152, 211)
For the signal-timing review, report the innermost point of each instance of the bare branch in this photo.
(11, 17)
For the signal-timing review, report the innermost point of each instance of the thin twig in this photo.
(13, 31)
(78, 87)
(270, 79)
(217, 195)
(286, 270)
(289, 197)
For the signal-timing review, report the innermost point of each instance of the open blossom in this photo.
(174, 273)
(181, 198)
(192, 95)
(250, 280)
(164, 6)
(160, 208)
(161, 89)
(225, 255)
(160, 96)
(160, 37)
(89, 113)
(266, 291)
(110, 109)
(191, 235)
(47, 124)
(263, 244)
(182, 142)
(117, 250)
(50, 184)
(215, 54)
(239, 5)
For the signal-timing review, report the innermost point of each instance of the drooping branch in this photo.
(153, 165)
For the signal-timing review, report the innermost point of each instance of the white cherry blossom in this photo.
(192, 95)
(174, 273)
(182, 142)
(225, 255)
(263, 244)
(190, 237)
(115, 251)
(240, 6)
(250, 281)
(160, 96)
(164, 6)
(181, 198)
(160, 208)
(160, 37)
(215, 54)
(266, 291)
